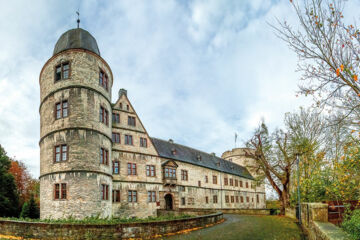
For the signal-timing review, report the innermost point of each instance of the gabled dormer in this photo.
(128, 132)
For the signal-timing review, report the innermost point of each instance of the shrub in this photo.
(352, 224)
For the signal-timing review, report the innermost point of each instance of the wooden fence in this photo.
(336, 210)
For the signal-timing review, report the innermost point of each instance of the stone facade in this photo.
(136, 163)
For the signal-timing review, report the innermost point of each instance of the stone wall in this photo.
(315, 223)
(116, 231)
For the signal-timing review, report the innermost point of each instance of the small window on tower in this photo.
(61, 109)
(62, 71)
(103, 79)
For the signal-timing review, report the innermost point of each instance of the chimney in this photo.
(122, 91)
(213, 154)
(171, 141)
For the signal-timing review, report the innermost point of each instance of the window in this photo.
(120, 105)
(61, 153)
(215, 200)
(116, 118)
(241, 185)
(247, 199)
(225, 181)
(227, 199)
(62, 71)
(60, 191)
(182, 188)
(232, 199)
(183, 202)
(184, 175)
(257, 199)
(127, 107)
(104, 192)
(247, 185)
(151, 196)
(104, 156)
(231, 182)
(143, 142)
(150, 171)
(131, 121)
(116, 196)
(132, 196)
(116, 167)
(199, 183)
(206, 179)
(237, 199)
(128, 140)
(242, 199)
(61, 109)
(103, 79)
(104, 116)
(116, 137)
(206, 199)
(170, 172)
(236, 183)
(214, 179)
(131, 168)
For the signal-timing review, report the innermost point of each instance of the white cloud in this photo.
(196, 71)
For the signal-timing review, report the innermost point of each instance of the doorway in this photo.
(169, 202)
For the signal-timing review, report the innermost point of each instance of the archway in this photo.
(169, 202)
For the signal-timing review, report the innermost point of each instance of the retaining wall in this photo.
(115, 231)
(314, 221)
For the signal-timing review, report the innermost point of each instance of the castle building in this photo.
(97, 159)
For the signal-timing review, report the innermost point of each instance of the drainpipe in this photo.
(221, 192)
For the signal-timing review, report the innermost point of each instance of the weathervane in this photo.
(78, 20)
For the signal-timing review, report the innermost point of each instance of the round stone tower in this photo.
(75, 130)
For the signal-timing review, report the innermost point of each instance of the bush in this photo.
(352, 224)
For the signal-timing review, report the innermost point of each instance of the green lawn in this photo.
(242, 227)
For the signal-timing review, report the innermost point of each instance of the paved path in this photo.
(240, 227)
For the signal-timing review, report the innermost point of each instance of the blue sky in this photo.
(195, 71)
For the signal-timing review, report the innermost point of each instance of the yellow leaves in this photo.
(342, 67)
(338, 72)
(342, 157)
(355, 77)
(352, 131)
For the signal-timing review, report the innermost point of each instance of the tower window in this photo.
(104, 156)
(61, 109)
(116, 137)
(104, 116)
(116, 167)
(116, 118)
(60, 191)
(62, 71)
(60, 153)
(131, 168)
(104, 192)
(143, 142)
(128, 140)
(132, 196)
(131, 121)
(103, 79)
(116, 196)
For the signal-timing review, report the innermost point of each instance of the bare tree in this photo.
(275, 158)
(329, 56)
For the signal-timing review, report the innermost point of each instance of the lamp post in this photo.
(298, 187)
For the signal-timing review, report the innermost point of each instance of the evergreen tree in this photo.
(34, 211)
(25, 212)
(9, 199)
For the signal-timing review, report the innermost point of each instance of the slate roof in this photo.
(190, 155)
(76, 38)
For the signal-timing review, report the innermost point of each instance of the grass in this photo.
(240, 227)
(97, 220)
